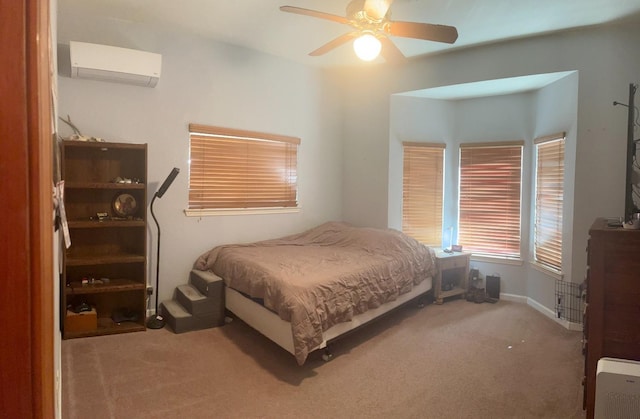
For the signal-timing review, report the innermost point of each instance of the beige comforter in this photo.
(323, 276)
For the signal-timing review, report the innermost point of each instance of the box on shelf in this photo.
(81, 322)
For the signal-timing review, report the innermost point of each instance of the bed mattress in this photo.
(323, 276)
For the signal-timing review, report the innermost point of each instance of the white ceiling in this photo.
(485, 88)
(260, 25)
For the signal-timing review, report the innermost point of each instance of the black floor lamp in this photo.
(156, 321)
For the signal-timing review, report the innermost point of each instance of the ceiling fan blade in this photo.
(377, 9)
(314, 13)
(390, 51)
(342, 39)
(426, 31)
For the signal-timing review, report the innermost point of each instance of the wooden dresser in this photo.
(612, 317)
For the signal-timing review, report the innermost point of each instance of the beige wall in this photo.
(607, 60)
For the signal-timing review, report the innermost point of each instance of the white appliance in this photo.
(108, 63)
(617, 389)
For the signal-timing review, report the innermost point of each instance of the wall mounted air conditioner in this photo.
(617, 389)
(121, 65)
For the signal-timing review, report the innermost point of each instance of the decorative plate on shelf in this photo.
(125, 205)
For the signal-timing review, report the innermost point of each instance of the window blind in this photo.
(241, 169)
(489, 207)
(549, 200)
(422, 183)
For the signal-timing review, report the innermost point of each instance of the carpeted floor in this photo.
(457, 360)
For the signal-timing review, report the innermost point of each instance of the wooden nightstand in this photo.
(452, 278)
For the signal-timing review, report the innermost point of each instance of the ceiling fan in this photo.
(372, 24)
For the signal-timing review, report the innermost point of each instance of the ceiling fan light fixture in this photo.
(367, 46)
(372, 22)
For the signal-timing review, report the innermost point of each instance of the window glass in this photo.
(549, 201)
(241, 169)
(490, 191)
(422, 189)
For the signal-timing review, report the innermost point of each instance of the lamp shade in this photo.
(167, 182)
(367, 47)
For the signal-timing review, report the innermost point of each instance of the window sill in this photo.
(239, 211)
(497, 259)
(547, 271)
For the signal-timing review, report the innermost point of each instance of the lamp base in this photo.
(155, 322)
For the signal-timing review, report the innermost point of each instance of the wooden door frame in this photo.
(26, 224)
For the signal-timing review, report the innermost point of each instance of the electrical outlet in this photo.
(149, 291)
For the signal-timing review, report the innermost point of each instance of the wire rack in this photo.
(569, 301)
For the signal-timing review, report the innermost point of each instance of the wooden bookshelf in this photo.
(105, 266)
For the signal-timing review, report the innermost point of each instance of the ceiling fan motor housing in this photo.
(372, 17)
(362, 20)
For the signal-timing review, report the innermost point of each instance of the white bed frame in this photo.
(272, 326)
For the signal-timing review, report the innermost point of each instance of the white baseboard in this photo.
(514, 298)
(506, 297)
(542, 309)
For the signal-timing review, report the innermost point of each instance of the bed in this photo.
(304, 290)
